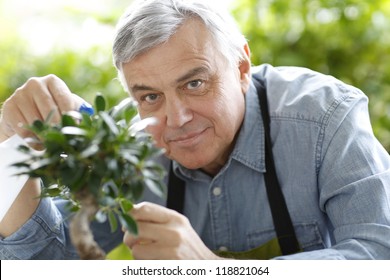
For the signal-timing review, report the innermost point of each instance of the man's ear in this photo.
(245, 69)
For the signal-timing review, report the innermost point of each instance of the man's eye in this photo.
(194, 84)
(150, 98)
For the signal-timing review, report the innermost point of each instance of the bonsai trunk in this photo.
(80, 232)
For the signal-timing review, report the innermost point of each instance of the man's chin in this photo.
(188, 163)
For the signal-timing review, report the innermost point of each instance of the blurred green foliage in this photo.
(86, 71)
(349, 39)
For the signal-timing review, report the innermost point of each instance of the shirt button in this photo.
(217, 191)
(223, 249)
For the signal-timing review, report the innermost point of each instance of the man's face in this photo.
(196, 97)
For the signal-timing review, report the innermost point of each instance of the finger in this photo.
(14, 120)
(5, 131)
(64, 99)
(19, 124)
(6, 128)
(45, 105)
(131, 240)
(151, 212)
(147, 233)
(151, 231)
(61, 94)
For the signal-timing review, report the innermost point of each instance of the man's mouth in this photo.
(187, 140)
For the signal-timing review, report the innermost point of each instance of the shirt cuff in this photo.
(44, 227)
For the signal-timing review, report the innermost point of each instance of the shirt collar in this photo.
(249, 148)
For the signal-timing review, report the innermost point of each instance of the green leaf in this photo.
(41, 163)
(23, 149)
(112, 164)
(142, 124)
(87, 121)
(113, 221)
(73, 130)
(53, 191)
(133, 190)
(67, 120)
(76, 115)
(73, 206)
(155, 187)
(110, 189)
(150, 174)
(75, 177)
(126, 109)
(126, 205)
(110, 122)
(130, 113)
(21, 165)
(108, 201)
(89, 151)
(38, 126)
(54, 136)
(130, 158)
(100, 102)
(128, 222)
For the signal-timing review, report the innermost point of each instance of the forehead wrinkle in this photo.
(140, 87)
(191, 73)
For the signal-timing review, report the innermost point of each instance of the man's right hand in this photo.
(35, 100)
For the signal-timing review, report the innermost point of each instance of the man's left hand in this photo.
(164, 234)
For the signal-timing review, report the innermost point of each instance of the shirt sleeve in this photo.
(45, 235)
(354, 185)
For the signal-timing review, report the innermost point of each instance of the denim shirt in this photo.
(333, 172)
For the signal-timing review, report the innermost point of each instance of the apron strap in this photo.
(282, 221)
(176, 191)
(281, 218)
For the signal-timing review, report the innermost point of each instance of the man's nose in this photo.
(178, 113)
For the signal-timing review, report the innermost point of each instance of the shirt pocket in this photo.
(308, 235)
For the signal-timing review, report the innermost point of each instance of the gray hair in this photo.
(148, 23)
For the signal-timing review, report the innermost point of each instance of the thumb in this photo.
(150, 212)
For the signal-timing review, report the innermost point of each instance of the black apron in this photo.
(286, 242)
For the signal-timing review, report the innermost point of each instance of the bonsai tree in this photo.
(100, 163)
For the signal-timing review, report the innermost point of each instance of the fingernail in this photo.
(86, 108)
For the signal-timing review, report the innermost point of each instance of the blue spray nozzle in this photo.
(86, 108)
